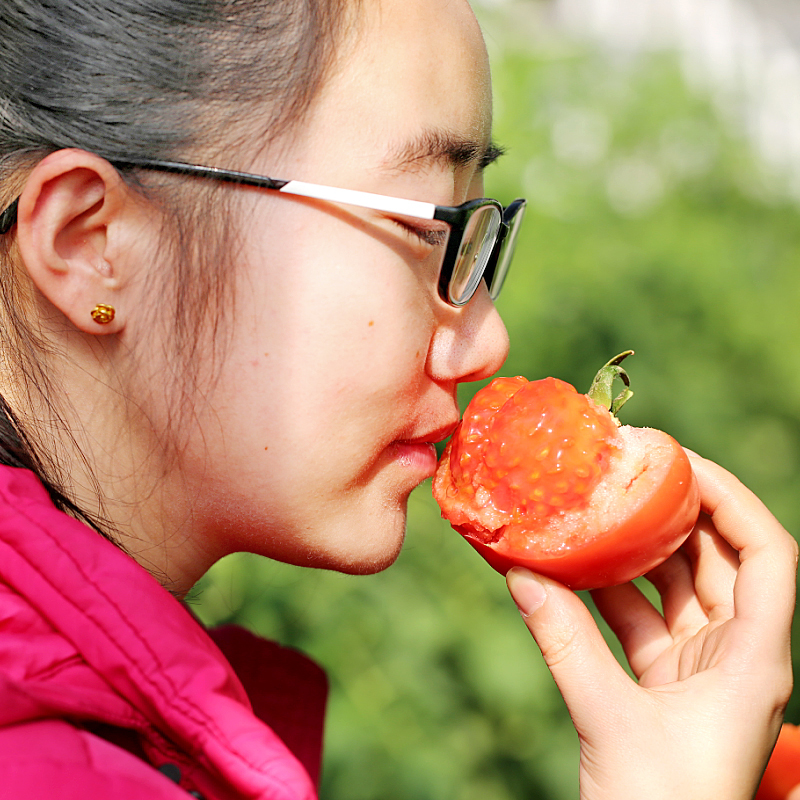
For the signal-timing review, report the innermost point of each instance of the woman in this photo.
(198, 363)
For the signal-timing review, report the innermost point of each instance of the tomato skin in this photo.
(783, 770)
(639, 539)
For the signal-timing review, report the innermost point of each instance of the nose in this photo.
(470, 343)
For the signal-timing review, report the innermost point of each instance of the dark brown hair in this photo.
(128, 79)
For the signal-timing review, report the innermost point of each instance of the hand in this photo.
(714, 670)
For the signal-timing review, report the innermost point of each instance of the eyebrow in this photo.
(443, 148)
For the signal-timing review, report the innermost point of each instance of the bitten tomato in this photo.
(783, 770)
(541, 476)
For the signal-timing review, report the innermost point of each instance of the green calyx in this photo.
(601, 388)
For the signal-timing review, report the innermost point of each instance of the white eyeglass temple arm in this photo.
(377, 202)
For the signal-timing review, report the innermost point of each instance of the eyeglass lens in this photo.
(474, 252)
(513, 218)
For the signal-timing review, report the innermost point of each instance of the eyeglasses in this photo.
(479, 244)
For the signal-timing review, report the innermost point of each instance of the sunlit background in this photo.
(658, 144)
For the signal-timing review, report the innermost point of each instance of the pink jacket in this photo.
(105, 677)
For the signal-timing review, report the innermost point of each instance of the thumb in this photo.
(588, 676)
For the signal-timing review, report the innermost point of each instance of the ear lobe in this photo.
(67, 213)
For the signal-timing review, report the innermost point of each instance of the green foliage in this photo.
(651, 227)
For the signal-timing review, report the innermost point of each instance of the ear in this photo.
(72, 205)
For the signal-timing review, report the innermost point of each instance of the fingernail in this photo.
(527, 591)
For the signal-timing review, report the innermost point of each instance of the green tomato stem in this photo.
(601, 388)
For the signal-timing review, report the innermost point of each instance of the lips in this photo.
(419, 453)
(419, 457)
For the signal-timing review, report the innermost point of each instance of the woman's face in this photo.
(343, 362)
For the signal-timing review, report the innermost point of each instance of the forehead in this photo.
(411, 89)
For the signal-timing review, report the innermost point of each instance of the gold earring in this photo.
(102, 314)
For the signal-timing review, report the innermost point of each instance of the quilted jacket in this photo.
(110, 688)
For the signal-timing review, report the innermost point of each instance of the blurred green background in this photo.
(652, 225)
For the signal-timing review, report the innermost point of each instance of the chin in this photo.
(367, 561)
(358, 539)
(368, 548)
(371, 566)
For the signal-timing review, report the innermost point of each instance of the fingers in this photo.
(641, 630)
(674, 581)
(715, 565)
(764, 589)
(583, 667)
(742, 519)
(698, 584)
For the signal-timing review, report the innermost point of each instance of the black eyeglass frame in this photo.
(457, 217)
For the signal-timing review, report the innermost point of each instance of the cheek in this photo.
(329, 327)
(333, 293)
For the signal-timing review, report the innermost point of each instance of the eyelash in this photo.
(430, 236)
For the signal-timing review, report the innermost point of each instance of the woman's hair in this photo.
(148, 79)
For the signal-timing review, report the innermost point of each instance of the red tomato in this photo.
(540, 476)
(783, 770)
